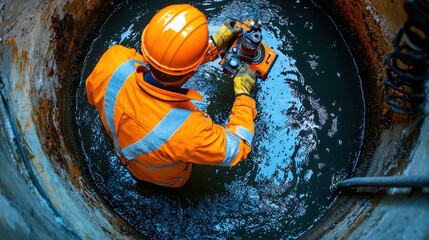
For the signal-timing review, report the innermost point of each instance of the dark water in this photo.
(308, 132)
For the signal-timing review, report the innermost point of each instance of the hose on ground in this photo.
(387, 181)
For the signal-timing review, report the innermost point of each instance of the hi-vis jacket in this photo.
(157, 133)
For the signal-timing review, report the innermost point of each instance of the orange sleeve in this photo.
(89, 90)
(243, 113)
(89, 84)
(229, 145)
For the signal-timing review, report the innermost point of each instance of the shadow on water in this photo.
(309, 131)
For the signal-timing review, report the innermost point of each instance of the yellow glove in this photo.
(226, 32)
(244, 81)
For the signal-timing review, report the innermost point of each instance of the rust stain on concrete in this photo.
(19, 59)
(70, 25)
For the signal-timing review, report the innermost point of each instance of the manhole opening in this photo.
(308, 132)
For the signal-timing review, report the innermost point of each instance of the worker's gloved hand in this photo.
(226, 32)
(244, 81)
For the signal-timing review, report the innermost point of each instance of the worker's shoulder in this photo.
(122, 50)
(119, 49)
(116, 55)
(199, 121)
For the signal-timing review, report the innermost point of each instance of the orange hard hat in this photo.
(176, 39)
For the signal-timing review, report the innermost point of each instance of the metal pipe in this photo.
(387, 181)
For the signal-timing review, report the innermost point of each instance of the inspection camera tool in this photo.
(249, 47)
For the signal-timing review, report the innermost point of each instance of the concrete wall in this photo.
(393, 144)
(45, 192)
(39, 40)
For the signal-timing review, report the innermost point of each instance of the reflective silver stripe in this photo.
(159, 135)
(116, 82)
(169, 184)
(163, 166)
(232, 146)
(244, 134)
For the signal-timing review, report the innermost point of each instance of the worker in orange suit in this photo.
(157, 132)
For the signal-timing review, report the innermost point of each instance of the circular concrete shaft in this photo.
(45, 191)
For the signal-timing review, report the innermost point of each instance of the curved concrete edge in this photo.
(24, 213)
(395, 213)
(400, 213)
(399, 143)
(30, 73)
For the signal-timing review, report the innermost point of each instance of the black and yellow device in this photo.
(249, 47)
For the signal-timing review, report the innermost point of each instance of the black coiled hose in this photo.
(408, 66)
